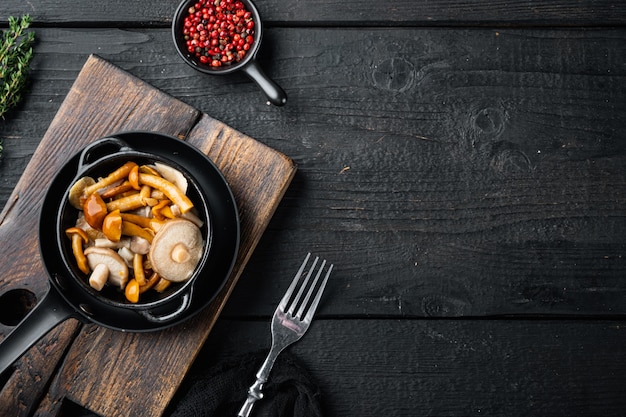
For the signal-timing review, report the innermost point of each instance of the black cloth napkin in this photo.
(221, 390)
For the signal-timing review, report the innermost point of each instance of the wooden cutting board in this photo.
(108, 372)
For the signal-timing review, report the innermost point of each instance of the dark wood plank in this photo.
(338, 13)
(258, 175)
(449, 367)
(29, 382)
(492, 174)
(447, 172)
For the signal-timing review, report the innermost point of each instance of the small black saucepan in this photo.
(71, 296)
(248, 64)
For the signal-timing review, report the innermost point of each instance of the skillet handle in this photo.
(99, 149)
(185, 302)
(275, 94)
(46, 315)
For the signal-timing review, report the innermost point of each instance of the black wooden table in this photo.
(463, 164)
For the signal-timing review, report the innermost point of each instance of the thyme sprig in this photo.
(16, 53)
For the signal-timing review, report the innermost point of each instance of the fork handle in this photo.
(255, 392)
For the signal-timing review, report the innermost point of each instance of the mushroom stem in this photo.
(140, 276)
(170, 190)
(180, 253)
(133, 177)
(151, 282)
(117, 190)
(79, 237)
(131, 202)
(118, 174)
(77, 248)
(131, 229)
(143, 221)
(162, 285)
(99, 277)
(118, 271)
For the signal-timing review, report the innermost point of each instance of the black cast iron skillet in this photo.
(248, 64)
(71, 296)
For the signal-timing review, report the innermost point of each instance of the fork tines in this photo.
(305, 304)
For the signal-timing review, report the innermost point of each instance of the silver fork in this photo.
(289, 324)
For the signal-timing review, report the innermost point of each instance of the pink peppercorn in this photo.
(218, 32)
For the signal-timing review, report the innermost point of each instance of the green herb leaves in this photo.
(16, 53)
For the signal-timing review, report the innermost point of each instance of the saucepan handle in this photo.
(51, 311)
(99, 149)
(185, 302)
(274, 93)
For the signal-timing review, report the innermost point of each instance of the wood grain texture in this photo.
(120, 364)
(258, 176)
(408, 368)
(481, 172)
(338, 13)
(29, 382)
(455, 159)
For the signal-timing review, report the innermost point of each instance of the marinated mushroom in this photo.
(132, 291)
(133, 178)
(172, 175)
(133, 201)
(144, 221)
(170, 190)
(131, 229)
(99, 277)
(162, 211)
(162, 284)
(140, 275)
(112, 226)
(117, 268)
(139, 245)
(121, 215)
(79, 237)
(176, 250)
(118, 174)
(93, 234)
(76, 192)
(103, 242)
(117, 190)
(150, 283)
(95, 210)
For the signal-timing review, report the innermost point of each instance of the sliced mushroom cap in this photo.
(118, 270)
(127, 255)
(139, 245)
(176, 250)
(103, 242)
(172, 175)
